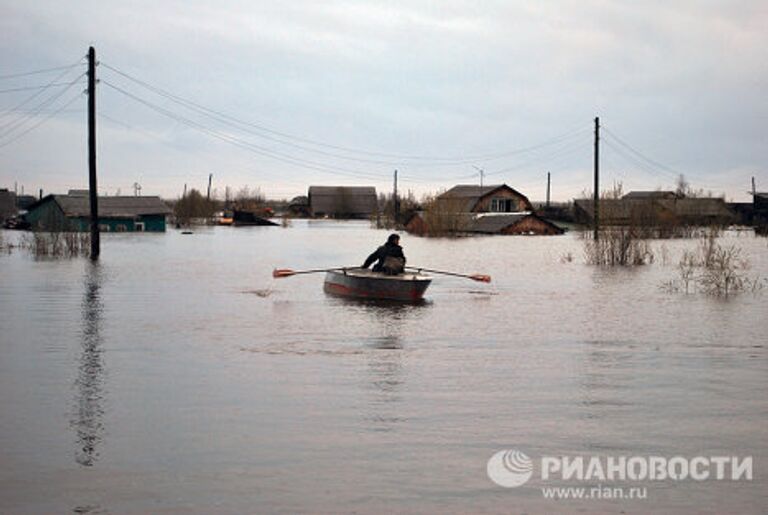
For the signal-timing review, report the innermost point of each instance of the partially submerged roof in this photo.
(78, 205)
(495, 223)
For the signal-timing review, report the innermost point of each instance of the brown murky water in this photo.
(177, 376)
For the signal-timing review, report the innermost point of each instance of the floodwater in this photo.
(176, 376)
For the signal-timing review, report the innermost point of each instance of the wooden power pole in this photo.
(210, 178)
(596, 207)
(549, 181)
(92, 188)
(395, 202)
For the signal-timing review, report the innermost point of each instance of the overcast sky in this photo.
(345, 92)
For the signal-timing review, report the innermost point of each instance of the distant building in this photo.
(116, 214)
(496, 209)
(760, 210)
(342, 201)
(8, 207)
(650, 195)
(24, 201)
(499, 198)
(299, 206)
(656, 210)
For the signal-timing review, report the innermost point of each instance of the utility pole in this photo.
(396, 202)
(93, 193)
(596, 207)
(184, 195)
(548, 187)
(41, 194)
(754, 190)
(210, 178)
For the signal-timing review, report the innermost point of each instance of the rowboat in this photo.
(365, 284)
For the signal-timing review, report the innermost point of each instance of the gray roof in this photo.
(111, 206)
(343, 200)
(495, 223)
(622, 210)
(657, 194)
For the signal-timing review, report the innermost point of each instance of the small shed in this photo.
(116, 214)
(342, 201)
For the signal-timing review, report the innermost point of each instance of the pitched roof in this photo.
(464, 197)
(495, 223)
(693, 207)
(109, 206)
(622, 210)
(658, 194)
(347, 200)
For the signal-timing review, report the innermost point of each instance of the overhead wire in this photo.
(12, 125)
(436, 161)
(39, 72)
(242, 143)
(41, 121)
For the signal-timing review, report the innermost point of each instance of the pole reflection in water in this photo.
(89, 386)
(386, 367)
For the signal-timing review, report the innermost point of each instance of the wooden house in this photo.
(342, 201)
(498, 198)
(470, 209)
(116, 214)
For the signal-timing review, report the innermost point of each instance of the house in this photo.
(655, 211)
(7, 204)
(650, 195)
(521, 223)
(116, 214)
(513, 224)
(342, 201)
(498, 198)
(496, 209)
(760, 211)
(299, 206)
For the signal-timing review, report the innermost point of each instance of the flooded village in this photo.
(355, 257)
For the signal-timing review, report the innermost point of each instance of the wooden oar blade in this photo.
(282, 272)
(480, 278)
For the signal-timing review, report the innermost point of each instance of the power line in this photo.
(30, 88)
(35, 95)
(38, 72)
(42, 121)
(438, 161)
(12, 125)
(244, 144)
(656, 164)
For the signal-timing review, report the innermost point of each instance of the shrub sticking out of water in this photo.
(714, 269)
(617, 246)
(57, 244)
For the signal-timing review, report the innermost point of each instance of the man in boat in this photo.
(391, 260)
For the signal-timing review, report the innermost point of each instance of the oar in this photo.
(475, 277)
(287, 272)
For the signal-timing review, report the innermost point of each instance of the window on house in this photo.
(501, 205)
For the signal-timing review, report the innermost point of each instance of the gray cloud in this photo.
(683, 82)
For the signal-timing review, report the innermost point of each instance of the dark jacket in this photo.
(382, 253)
